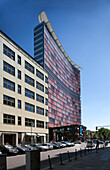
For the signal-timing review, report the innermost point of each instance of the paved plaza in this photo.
(91, 161)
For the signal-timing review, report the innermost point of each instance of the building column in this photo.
(45, 139)
(16, 138)
(0, 138)
(23, 138)
(35, 141)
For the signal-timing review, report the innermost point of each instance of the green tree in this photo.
(103, 133)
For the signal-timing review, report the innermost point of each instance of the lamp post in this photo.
(32, 124)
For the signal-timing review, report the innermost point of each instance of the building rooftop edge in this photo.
(19, 47)
(42, 17)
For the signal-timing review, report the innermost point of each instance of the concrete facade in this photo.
(21, 133)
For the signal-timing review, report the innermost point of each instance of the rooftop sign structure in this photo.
(42, 17)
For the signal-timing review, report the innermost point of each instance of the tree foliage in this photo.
(103, 134)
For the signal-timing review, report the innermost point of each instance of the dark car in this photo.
(30, 147)
(41, 147)
(8, 150)
(55, 146)
(77, 142)
(21, 149)
(67, 143)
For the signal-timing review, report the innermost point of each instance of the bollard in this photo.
(91, 150)
(85, 151)
(50, 162)
(61, 159)
(75, 154)
(80, 152)
(69, 156)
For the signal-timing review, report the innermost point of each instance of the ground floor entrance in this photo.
(10, 139)
(17, 138)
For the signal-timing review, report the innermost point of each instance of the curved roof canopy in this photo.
(42, 17)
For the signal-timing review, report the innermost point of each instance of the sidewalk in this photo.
(91, 161)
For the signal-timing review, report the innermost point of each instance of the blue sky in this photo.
(83, 28)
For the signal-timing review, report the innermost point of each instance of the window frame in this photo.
(9, 119)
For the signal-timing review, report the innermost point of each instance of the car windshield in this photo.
(39, 145)
(9, 146)
(44, 144)
(21, 147)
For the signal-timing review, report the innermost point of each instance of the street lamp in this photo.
(32, 125)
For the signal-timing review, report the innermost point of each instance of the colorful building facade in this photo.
(64, 104)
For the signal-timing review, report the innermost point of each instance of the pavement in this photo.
(90, 161)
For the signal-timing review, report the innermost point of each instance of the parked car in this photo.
(57, 143)
(8, 150)
(90, 144)
(95, 141)
(0, 152)
(49, 146)
(30, 147)
(72, 143)
(62, 145)
(77, 142)
(41, 147)
(55, 146)
(22, 149)
(101, 142)
(67, 143)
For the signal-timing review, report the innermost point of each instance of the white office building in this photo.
(23, 96)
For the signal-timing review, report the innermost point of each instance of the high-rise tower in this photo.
(64, 104)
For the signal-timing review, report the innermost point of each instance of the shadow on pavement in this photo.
(19, 168)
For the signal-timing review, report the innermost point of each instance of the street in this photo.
(19, 160)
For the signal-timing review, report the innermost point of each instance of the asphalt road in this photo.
(18, 162)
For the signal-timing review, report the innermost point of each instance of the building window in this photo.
(19, 89)
(19, 120)
(29, 107)
(29, 80)
(40, 124)
(19, 74)
(7, 51)
(29, 67)
(46, 125)
(46, 90)
(8, 119)
(8, 68)
(52, 111)
(19, 60)
(8, 84)
(29, 94)
(52, 56)
(46, 101)
(46, 112)
(51, 120)
(8, 101)
(39, 86)
(39, 110)
(39, 98)
(52, 87)
(46, 79)
(39, 74)
(29, 122)
(19, 104)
